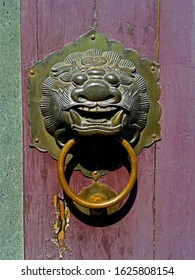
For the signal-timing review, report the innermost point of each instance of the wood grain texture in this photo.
(133, 23)
(46, 27)
(175, 166)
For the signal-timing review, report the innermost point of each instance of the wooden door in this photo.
(160, 223)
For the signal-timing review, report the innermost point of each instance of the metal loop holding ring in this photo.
(107, 203)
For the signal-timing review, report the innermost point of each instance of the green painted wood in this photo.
(11, 179)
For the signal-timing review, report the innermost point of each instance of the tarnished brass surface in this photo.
(99, 204)
(97, 193)
(94, 93)
(94, 86)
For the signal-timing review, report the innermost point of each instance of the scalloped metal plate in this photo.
(42, 140)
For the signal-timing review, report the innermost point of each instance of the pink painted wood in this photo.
(46, 27)
(175, 157)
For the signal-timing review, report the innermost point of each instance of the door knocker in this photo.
(94, 106)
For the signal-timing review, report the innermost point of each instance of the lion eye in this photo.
(112, 79)
(79, 79)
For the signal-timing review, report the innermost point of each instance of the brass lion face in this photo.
(94, 92)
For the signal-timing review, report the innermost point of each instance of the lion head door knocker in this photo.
(94, 106)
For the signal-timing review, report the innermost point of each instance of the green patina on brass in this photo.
(94, 87)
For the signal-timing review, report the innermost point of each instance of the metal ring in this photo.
(104, 204)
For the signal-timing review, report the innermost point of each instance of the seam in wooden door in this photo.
(155, 147)
(37, 35)
(94, 22)
(154, 205)
(158, 32)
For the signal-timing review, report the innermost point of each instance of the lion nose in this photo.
(97, 91)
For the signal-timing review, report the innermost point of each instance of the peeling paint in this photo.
(61, 224)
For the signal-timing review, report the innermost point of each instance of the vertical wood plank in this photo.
(33, 200)
(134, 23)
(54, 24)
(175, 166)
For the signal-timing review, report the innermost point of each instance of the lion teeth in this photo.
(89, 124)
(117, 119)
(75, 117)
(84, 109)
(96, 109)
(79, 121)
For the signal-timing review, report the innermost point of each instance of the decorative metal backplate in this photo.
(94, 87)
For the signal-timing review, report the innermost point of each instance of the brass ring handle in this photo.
(104, 204)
